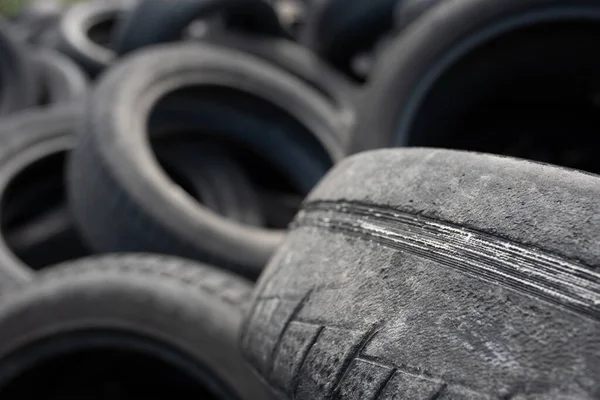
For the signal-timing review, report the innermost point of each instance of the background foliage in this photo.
(11, 7)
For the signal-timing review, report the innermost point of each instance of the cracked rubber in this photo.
(73, 38)
(122, 200)
(338, 30)
(157, 21)
(62, 80)
(18, 83)
(191, 310)
(424, 273)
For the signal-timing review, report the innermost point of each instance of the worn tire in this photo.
(183, 314)
(18, 88)
(135, 207)
(27, 137)
(62, 80)
(419, 273)
(299, 61)
(338, 30)
(409, 11)
(73, 38)
(156, 21)
(448, 52)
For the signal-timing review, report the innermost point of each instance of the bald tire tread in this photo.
(192, 308)
(425, 273)
(23, 138)
(120, 198)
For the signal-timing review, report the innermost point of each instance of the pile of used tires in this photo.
(158, 157)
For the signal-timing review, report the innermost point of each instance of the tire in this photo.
(25, 138)
(62, 80)
(156, 21)
(409, 11)
(279, 208)
(212, 177)
(36, 19)
(299, 135)
(17, 77)
(75, 41)
(478, 280)
(548, 74)
(47, 240)
(299, 61)
(338, 30)
(181, 316)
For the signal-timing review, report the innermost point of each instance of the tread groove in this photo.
(296, 380)
(292, 317)
(368, 336)
(545, 276)
(384, 384)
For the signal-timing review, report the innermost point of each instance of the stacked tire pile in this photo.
(157, 158)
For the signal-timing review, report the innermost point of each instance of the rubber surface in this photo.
(409, 11)
(420, 273)
(62, 80)
(135, 206)
(25, 138)
(193, 311)
(73, 37)
(298, 60)
(18, 86)
(157, 21)
(418, 57)
(338, 30)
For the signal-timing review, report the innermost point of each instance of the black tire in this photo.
(299, 61)
(156, 21)
(87, 321)
(17, 76)
(212, 177)
(114, 161)
(548, 75)
(36, 19)
(75, 38)
(478, 280)
(409, 11)
(338, 30)
(25, 138)
(47, 240)
(62, 80)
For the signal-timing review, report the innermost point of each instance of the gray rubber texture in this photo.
(413, 62)
(215, 178)
(123, 201)
(298, 60)
(194, 309)
(73, 40)
(409, 11)
(25, 138)
(18, 83)
(63, 80)
(157, 21)
(435, 274)
(338, 30)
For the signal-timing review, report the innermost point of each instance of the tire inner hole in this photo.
(279, 195)
(101, 366)
(100, 32)
(533, 93)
